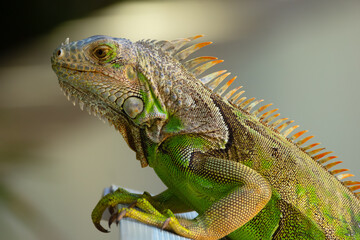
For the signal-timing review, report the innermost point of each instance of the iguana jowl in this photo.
(239, 168)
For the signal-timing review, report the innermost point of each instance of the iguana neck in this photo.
(183, 97)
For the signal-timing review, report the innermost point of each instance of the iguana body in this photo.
(237, 167)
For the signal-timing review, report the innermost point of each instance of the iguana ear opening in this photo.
(130, 73)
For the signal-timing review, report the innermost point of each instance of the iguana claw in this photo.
(100, 228)
(166, 223)
(116, 217)
(111, 220)
(132, 205)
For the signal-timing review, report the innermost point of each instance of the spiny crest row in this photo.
(199, 65)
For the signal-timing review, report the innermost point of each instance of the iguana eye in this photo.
(101, 52)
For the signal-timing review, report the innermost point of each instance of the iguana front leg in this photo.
(250, 194)
(233, 209)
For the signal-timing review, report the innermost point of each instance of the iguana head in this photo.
(142, 85)
(101, 73)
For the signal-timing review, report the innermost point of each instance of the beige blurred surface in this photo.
(55, 159)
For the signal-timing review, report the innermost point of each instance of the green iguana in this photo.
(240, 169)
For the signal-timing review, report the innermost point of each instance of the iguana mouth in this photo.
(67, 66)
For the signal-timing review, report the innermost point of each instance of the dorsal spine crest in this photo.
(199, 65)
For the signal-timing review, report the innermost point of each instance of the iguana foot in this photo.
(144, 212)
(139, 208)
(111, 200)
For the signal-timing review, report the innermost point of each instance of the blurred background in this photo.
(303, 56)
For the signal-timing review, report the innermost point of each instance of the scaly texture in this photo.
(242, 169)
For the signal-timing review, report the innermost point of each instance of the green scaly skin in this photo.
(244, 178)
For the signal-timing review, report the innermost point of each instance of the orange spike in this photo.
(354, 188)
(179, 43)
(322, 161)
(264, 115)
(196, 61)
(236, 96)
(310, 146)
(246, 102)
(187, 51)
(304, 140)
(202, 68)
(196, 37)
(288, 131)
(336, 171)
(229, 94)
(315, 151)
(357, 194)
(253, 104)
(330, 165)
(212, 85)
(269, 119)
(344, 175)
(282, 126)
(238, 102)
(297, 135)
(349, 183)
(202, 44)
(211, 76)
(321, 155)
(277, 122)
(223, 88)
(260, 109)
